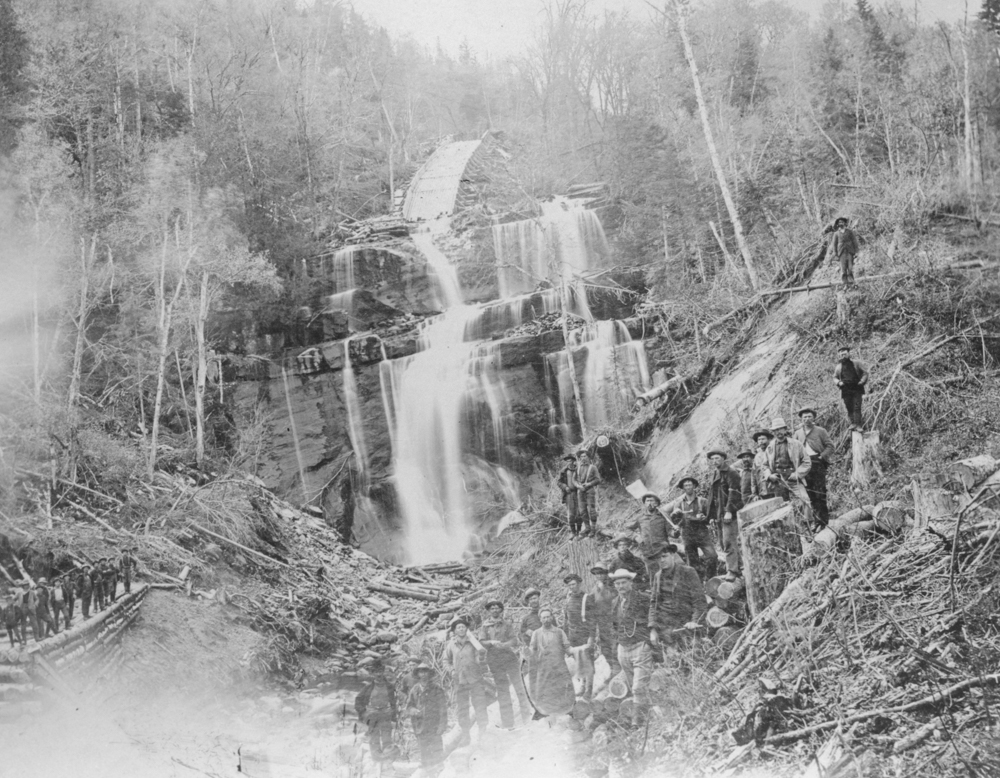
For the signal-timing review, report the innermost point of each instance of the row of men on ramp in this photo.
(624, 622)
(39, 604)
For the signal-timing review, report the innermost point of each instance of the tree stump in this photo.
(865, 451)
(770, 547)
(843, 307)
(931, 503)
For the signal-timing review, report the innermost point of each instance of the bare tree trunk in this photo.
(680, 6)
(81, 319)
(971, 171)
(201, 372)
(570, 362)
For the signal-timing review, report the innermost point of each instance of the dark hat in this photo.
(654, 496)
(840, 220)
(744, 453)
(423, 668)
(717, 452)
(807, 410)
(766, 433)
(670, 548)
(572, 577)
(458, 620)
(620, 537)
(491, 603)
(569, 457)
(843, 347)
(685, 479)
(598, 569)
(529, 594)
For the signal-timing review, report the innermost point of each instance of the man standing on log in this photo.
(110, 576)
(529, 623)
(623, 544)
(568, 486)
(500, 640)
(692, 512)
(630, 615)
(97, 583)
(553, 694)
(844, 248)
(748, 491)
(763, 486)
(678, 600)
(126, 568)
(376, 707)
(57, 602)
(427, 707)
(14, 620)
(655, 531)
(43, 612)
(596, 608)
(461, 657)
(724, 501)
(69, 595)
(851, 379)
(587, 479)
(579, 632)
(819, 449)
(86, 590)
(787, 465)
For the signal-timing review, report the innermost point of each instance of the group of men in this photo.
(39, 604)
(578, 480)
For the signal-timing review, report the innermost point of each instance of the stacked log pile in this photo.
(887, 642)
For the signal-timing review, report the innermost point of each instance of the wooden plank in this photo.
(757, 510)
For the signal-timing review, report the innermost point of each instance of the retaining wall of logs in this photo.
(90, 646)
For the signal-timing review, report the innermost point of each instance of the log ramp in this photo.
(28, 674)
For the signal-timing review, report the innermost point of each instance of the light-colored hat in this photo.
(778, 423)
(529, 594)
(622, 573)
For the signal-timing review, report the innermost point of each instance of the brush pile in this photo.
(892, 645)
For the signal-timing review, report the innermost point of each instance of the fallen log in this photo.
(931, 699)
(826, 538)
(969, 473)
(400, 591)
(233, 543)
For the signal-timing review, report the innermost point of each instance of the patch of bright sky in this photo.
(499, 28)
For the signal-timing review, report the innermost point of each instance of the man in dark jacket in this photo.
(655, 531)
(43, 610)
(568, 486)
(691, 511)
(630, 614)
(724, 500)
(747, 487)
(587, 479)
(110, 576)
(97, 584)
(86, 590)
(819, 449)
(427, 707)
(844, 248)
(500, 640)
(69, 594)
(677, 602)
(580, 632)
(126, 568)
(851, 379)
(625, 559)
(14, 620)
(376, 707)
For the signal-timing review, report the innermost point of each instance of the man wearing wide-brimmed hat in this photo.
(579, 632)
(762, 486)
(500, 639)
(596, 609)
(462, 658)
(625, 558)
(819, 449)
(786, 465)
(587, 479)
(655, 532)
(566, 481)
(529, 623)
(630, 615)
(376, 708)
(427, 707)
(677, 601)
(691, 510)
(13, 618)
(724, 500)
(747, 491)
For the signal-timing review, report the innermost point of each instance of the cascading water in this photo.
(355, 425)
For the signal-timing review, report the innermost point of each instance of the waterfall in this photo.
(435, 400)
(343, 268)
(614, 372)
(561, 245)
(355, 425)
(444, 271)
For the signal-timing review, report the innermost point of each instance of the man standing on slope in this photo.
(461, 657)
(762, 485)
(587, 479)
(596, 609)
(579, 632)
(655, 531)
(851, 379)
(786, 465)
(678, 600)
(427, 707)
(692, 512)
(500, 640)
(844, 248)
(819, 449)
(635, 653)
(568, 486)
(724, 500)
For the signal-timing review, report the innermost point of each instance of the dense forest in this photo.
(168, 160)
